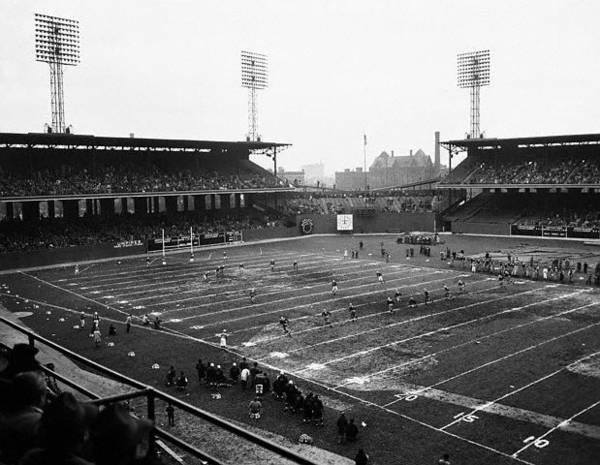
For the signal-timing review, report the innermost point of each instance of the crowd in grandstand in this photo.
(126, 178)
(39, 424)
(95, 230)
(536, 171)
(328, 203)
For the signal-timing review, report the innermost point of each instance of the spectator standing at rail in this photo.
(360, 245)
(426, 296)
(252, 295)
(317, 408)
(345, 254)
(128, 323)
(461, 285)
(380, 278)
(82, 320)
(334, 287)
(412, 302)
(446, 292)
(272, 263)
(146, 320)
(295, 266)
(170, 414)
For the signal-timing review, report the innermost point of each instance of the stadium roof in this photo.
(522, 142)
(72, 141)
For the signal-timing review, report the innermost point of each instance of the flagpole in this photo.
(365, 159)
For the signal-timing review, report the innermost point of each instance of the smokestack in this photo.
(437, 151)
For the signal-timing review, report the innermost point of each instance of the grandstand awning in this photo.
(91, 142)
(462, 145)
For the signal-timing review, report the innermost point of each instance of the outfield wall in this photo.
(468, 227)
(379, 223)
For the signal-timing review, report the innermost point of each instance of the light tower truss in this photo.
(56, 43)
(473, 73)
(254, 77)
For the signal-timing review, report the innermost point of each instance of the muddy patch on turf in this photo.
(589, 367)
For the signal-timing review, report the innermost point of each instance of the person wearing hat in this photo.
(19, 426)
(21, 358)
(234, 373)
(244, 375)
(64, 430)
(120, 438)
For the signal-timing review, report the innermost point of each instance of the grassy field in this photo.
(495, 374)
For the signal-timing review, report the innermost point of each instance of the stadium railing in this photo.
(151, 395)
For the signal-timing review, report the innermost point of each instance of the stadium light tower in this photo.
(254, 77)
(474, 73)
(57, 43)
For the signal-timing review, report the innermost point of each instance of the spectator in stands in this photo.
(120, 438)
(64, 429)
(19, 426)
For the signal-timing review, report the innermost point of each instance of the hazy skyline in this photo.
(338, 69)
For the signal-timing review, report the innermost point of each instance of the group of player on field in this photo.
(390, 303)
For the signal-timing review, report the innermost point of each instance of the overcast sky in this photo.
(171, 69)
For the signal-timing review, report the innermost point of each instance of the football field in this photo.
(501, 372)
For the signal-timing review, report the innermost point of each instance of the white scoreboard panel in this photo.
(345, 223)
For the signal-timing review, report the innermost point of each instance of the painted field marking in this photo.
(540, 441)
(399, 323)
(488, 404)
(356, 269)
(501, 410)
(170, 276)
(74, 293)
(430, 333)
(342, 393)
(254, 315)
(245, 298)
(156, 273)
(505, 357)
(340, 323)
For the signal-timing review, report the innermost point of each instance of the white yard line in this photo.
(254, 315)
(560, 425)
(486, 406)
(73, 293)
(245, 298)
(236, 285)
(500, 359)
(399, 323)
(342, 393)
(158, 271)
(446, 328)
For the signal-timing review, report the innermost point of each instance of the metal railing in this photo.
(151, 395)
